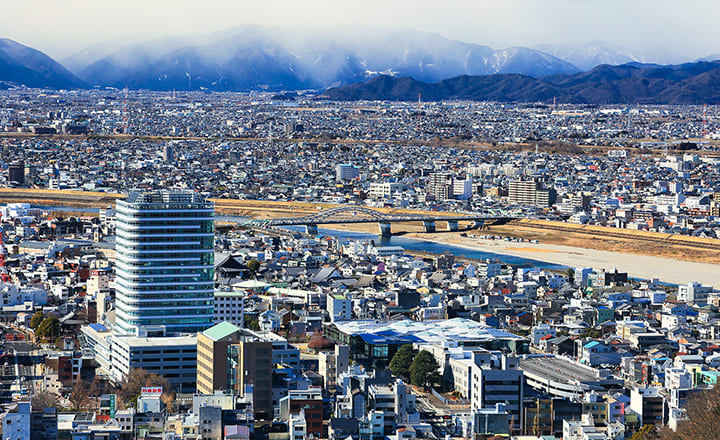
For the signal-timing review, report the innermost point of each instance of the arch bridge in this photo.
(361, 214)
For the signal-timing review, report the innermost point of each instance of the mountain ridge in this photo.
(293, 58)
(689, 83)
(22, 65)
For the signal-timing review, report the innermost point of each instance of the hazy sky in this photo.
(61, 27)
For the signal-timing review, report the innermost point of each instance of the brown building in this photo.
(212, 349)
(311, 402)
(250, 362)
(229, 358)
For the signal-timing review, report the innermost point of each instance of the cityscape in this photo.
(287, 233)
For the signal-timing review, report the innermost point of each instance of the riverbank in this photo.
(637, 266)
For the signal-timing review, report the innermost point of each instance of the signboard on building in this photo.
(113, 398)
(150, 391)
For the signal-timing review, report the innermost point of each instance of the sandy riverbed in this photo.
(637, 266)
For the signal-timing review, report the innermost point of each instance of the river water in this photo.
(406, 243)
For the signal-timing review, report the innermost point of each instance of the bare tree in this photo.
(138, 378)
(44, 399)
(80, 395)
(703, 418)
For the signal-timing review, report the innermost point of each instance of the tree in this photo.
(36, 320)
(400, 363)
(131, 387)
(44, 399)
(703, 418)
(647, 432)
(251, 323)
(80, 395)
(570, 273)
(424, 370)
(49, 328)
(253, 266)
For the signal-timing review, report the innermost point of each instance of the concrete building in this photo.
(331, 365)
(384, 190)
(16, 422)
(249, 362)
(650, 405)
(339, 307)
(212, 346)
(694, 293)
(228, 307)
(165, 262)
(173, 357)
(496, 378)
(309, 402)
(440, 186)
(530, 193)
(346, 172)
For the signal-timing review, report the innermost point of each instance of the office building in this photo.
(16, 173)
(463, 188)
(230, 358)
(212, 345)
(497, 378)
(249, 362)
(165, 263)
(309, 402)
(174, 358)
(346, 172)
(169, 153)
(440, 186)
(332, 365)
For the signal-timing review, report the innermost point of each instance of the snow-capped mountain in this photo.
(256, 57)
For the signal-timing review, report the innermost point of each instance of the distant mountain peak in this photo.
(250, 57)
(24, 66)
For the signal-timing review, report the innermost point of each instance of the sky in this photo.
(685, 28)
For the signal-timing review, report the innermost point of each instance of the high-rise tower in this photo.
(164, 263)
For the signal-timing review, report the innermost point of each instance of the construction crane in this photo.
(4, 275)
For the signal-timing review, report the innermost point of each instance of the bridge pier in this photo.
(311, 229)
(385, 229)
(452, 225)
(478, 224)
(429, 225)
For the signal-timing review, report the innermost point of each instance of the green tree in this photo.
(49, 328)
(253, 266)
(36, 320)
(424, 370)
(400, 363)
(252, 323)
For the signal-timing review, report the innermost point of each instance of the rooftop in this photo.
(221, 331)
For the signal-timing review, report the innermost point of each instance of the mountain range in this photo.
(265, 58)
(690, 83)
(251, 57)
(22, 65)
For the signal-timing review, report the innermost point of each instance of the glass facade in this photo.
(165, 261)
